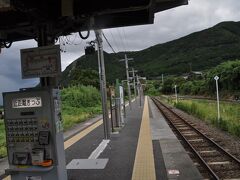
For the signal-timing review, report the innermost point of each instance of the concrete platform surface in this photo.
(120, 151)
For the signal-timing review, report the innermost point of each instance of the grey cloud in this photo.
(181, 21)
(10, 68)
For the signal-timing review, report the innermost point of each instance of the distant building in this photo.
(193, 75)
(197, 73)
(185, 76)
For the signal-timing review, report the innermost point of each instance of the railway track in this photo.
(212, 160)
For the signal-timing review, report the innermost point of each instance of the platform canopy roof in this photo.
(21, 19)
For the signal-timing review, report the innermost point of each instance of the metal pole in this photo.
(140, 91)
(111, 113)
(124, 102)
(60, 171)
(124, 107)
(44, 40)
(218, 104)
(129, 90)
(102, 78)
(176, 93)
(117, 112)
(134, 85)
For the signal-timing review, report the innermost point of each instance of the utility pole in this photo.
(127, 74)
(103, 87)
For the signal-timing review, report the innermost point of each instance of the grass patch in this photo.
(79, 103)
(72, 115)
(207, 111)
(3, 151)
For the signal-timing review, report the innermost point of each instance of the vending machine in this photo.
(34, 134)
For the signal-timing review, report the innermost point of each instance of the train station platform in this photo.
(145, 148)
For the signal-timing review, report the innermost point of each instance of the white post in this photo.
(218, 106)
(175, 87)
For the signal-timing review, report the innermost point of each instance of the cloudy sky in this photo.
(168, 25)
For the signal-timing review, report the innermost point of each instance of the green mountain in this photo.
(200, 51)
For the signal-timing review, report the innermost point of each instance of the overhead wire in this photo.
(115, 42)
(121, 39)
(69, 40)
(124, 32)
(124, 39)
(108, 43)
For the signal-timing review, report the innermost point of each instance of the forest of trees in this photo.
(229, 82)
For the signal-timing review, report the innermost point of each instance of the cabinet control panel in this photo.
(32, 122)
(22, 130)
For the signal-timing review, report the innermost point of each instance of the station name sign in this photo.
(27, 102)
(41, 62)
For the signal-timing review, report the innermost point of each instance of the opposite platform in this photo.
(177, 162)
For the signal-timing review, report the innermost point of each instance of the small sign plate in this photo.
(27, 102)
(173, 172)
(33, 178)
(216, 78)
(41, 62)
(87, 164)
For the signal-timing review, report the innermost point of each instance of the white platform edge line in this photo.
(131, 101)
(95, 154)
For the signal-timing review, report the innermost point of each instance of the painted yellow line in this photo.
(7, 178)
(75, 138)
(80, 135)
(144, 167)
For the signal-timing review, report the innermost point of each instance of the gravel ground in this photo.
(227, 141)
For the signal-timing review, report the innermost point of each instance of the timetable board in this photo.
(41, 62)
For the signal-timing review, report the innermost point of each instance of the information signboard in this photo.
(41, 62)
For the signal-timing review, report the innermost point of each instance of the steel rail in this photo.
(213, 142)
(203, 162)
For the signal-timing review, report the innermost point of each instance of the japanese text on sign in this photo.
(41, 62)
(27, 102)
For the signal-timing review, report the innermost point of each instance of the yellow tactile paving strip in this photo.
(75, 138)
(7, 178)
(80, 135)
(144, 167)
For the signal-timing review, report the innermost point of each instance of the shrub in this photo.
(80, 96)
